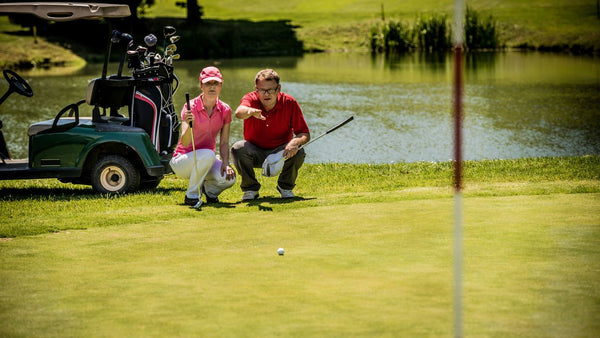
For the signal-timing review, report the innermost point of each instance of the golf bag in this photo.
(148, 94)
(149, 102)
(152, 108)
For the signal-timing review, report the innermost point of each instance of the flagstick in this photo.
(458, 116)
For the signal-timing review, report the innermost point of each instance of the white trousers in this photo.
(208, 174)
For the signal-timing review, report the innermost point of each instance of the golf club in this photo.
(118, 37)
(189, 107)
(167, 32)
(142, 51)
(134, 59)
(150, 41)
(273, 163)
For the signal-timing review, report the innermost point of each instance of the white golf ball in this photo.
(280, 251)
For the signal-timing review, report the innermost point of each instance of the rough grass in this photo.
(42, 206)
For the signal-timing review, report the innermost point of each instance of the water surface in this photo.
(516, 104)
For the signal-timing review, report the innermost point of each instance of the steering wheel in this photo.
(17, 83)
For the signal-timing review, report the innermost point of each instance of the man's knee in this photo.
(238, 146)
(298, 159)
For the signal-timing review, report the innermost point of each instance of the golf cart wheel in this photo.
(114, 174)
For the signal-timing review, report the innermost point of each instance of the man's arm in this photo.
(243, 112)
(292, 147)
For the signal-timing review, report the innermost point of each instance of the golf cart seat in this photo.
(110, 93)
(58, 124)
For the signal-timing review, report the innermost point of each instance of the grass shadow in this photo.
(68, 194)
(259, 202)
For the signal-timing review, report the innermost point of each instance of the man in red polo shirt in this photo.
(273, 121)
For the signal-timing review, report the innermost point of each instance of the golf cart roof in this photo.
(67, 11)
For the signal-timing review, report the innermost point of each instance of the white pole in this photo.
(458, 116)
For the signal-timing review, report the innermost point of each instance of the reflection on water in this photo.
(516, 104)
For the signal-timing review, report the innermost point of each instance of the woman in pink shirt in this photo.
(209, 116)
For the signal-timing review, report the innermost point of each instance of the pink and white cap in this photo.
(211, 74)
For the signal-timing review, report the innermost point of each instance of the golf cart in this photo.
(128, 141)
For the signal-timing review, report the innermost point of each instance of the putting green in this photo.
(531, 269)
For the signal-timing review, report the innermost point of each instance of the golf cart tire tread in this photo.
(130, 171)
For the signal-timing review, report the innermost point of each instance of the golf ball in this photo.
(280, 251)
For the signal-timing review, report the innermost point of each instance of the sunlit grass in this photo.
(368, 252)
(39, 206)
(379, 268)
(344, 24)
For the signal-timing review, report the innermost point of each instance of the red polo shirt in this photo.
(282, 122)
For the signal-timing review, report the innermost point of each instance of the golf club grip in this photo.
(187, 100)
(340, 125)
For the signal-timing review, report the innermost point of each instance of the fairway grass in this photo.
(378, 268)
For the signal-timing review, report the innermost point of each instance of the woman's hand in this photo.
(227, 171)
(189, 117)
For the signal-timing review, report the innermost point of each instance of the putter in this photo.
(197, 206)
(269, 165)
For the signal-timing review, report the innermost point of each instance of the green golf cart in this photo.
(128, 141)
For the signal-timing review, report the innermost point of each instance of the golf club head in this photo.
(172, 47)
(174, 38)
(169, 31)
(142, 51)
(133, 59)
(273, 164)
(150, 40)
(118, 37)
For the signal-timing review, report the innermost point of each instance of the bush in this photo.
(433, 34)
(392, 36)
(480, 34)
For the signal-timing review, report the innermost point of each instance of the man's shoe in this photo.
(249, 195)
(190, 201)
(286, 193)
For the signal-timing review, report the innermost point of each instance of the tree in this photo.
(194, 12)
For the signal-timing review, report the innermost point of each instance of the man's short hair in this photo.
(267, 75)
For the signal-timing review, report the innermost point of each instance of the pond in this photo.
(516, 104)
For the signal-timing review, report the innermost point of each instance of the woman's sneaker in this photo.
(209, 199)
(190, 201)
